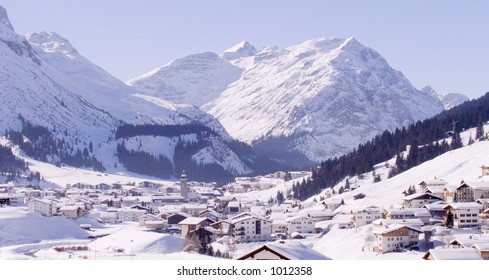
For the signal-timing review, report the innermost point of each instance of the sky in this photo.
(443, 44)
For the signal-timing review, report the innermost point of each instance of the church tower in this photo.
(183, 185)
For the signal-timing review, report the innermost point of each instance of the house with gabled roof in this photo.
(465, 214)
(300, 224)
(418, 200)
(193, 223)
(395, 237)
(471, 191)
(282, 250)
(452, 254)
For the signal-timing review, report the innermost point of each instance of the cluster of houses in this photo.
(437, 203)
(199, 210)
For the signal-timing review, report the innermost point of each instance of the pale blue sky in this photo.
(444, 44)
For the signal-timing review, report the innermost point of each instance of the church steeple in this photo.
(183, 185)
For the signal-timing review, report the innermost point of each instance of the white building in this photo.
(300, 224)
(394, 237)
(409, 213)
(465, 214)
(148, 218)
(418, 200)
(129, 215)
(366, 216)
(251, 228)
(71, 211)
(108, 217)
(46, 207)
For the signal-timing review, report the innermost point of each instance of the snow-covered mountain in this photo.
(449, 100)
(195, 79)
(320, 98)
(44, 79)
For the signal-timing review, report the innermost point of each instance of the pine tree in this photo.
(479, 132)
(449, 220)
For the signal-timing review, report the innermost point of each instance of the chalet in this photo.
(321, 215)
(210, 214)
(225, 227)
(393, 238)
(366, 216)
(418, 200)
(283, 251)
(193, 223)
(465, 214)
(409, 213)
(72, 211)
(147, 218)
(389, 222)
(449, 193)
(436, 210)
(432, 183)
(207, 234)
(175, 219)
(471, 191)
(452, 254)
(484, 202)
(483, 249)
(300, 224)
(193, 210)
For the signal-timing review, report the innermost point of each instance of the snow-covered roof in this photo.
(417, 212)
(463, 205)
(477, 185)
(386, 222)
(421, 196)
(453, 254)
(69, 208)
(391, 228)
(292, 250)
(192, 221)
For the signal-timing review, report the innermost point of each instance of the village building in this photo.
(471, 191)
(129, 215)
(409, 213)
(193, 223)
(436, 211)
(147, 218)
(395, 237)
(432, 183)
(175, 219)
(250, 228)
(449, 193)
(283, 251)
(366, 216)
(108, 217)
(46, 207)
(193, 209)
(465, 214)
(321, 215)
(72, 211)
(300, 224)
(452, 254)
(418, 200)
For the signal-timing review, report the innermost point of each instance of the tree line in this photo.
(426, 139)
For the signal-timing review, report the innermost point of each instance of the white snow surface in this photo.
(325, 96)
(449, 100)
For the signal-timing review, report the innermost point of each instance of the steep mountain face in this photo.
(26, 89)
(195, 79)
(44, 79)
(320, 98)
(449, 100)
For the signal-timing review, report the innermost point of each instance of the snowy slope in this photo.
(195, 79)
(46, 80)
(328, 95)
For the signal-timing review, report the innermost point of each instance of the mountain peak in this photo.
(51, 42)
(429, 90)
(242, 49)
(4, 20)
